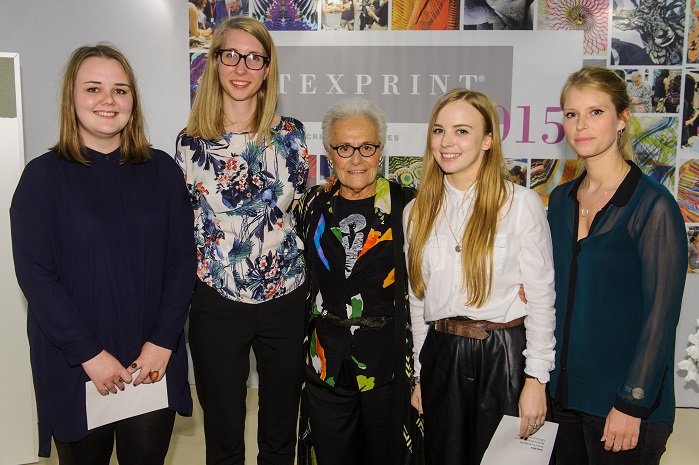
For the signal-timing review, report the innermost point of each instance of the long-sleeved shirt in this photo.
(105, 257)
(618, 298)
(522, 255)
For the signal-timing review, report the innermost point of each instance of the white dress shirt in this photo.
(522, 255)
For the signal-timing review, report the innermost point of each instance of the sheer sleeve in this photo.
(660, 240)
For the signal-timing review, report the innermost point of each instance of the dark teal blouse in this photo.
(618, 298)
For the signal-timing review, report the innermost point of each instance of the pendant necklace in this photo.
(458, 243)
(446, 217)
(586, 211)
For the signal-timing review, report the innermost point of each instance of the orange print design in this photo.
(390, 279)
(373, 238)
(321, 355)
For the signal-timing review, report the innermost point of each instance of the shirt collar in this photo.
(623, 193)
(98, 158)
(456, 196)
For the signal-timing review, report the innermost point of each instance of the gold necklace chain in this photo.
(586, 211)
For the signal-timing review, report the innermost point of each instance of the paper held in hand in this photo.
(507, 447)
(132, 401)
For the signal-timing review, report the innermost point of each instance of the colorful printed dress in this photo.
(241, 191)
(357, 269)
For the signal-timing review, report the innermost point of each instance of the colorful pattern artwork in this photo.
(546, 174)
(405, 170)
(589, 16)
(654, 142)
(688, 190)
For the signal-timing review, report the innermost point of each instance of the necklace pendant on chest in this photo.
(457, 248)
(584, 212)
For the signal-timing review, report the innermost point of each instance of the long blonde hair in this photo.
(206, 119)
(490, 197)
(133, 142)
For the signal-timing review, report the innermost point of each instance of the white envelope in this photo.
(132, 401)
(507, 447)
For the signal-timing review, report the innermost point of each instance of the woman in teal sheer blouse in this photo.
(619, 247)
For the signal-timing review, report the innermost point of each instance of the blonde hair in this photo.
(605, 81)
(492, 193)
(206, 119)
(70, 146)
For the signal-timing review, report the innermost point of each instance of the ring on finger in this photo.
(153, 375)
(533, 425)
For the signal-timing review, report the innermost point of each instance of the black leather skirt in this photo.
(467, 386)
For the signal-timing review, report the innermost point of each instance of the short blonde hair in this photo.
(206, 119)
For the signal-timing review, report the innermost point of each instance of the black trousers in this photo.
(221, 333)
(140, 440)
(579, 434)
(348, 426)
(467, 386)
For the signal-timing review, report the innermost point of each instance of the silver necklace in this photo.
(446, 217)
(458, 242)
(586, 211)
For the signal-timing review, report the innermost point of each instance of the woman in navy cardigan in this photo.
(103, 250)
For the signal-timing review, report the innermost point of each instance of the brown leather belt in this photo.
(475, 329)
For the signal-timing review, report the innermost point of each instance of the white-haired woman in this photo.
(359, 356)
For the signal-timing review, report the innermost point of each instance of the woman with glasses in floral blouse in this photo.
(244, 166)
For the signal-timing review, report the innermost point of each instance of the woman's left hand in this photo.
(152, 362)
(620, 431)
(532, 407)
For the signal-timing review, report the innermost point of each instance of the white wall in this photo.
(18, 434)
(151, 33)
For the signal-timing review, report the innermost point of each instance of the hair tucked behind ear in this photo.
(605, 81)
(492, 193)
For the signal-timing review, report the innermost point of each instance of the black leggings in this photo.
(140, 440)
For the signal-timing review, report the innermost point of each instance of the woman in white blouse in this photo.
(474, 237)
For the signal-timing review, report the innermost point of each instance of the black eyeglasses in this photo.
(231, 57)
(366, 150)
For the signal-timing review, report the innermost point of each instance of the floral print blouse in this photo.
(242, 193)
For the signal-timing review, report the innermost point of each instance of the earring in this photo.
(618, 135)
(330, 164)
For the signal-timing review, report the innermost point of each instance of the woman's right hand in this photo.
(106, 373)
(416, 399)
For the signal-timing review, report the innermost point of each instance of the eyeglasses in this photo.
(366, 150)
(231, 57)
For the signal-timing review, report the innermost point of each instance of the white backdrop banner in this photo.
(405, 73)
